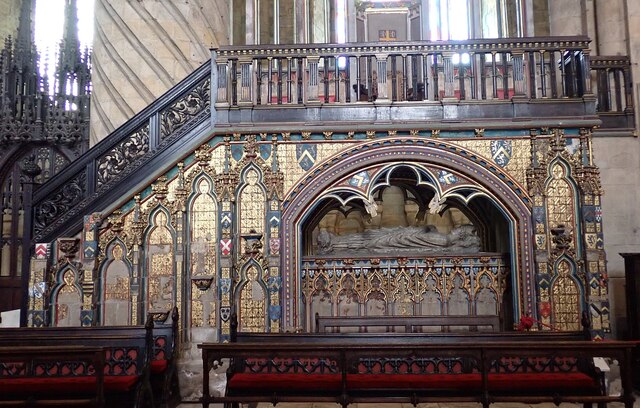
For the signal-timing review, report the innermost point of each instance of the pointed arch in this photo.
(202, 236)
(252, 199)
(562, 201)
(505, 194)
(114, 286)
(567, 295)
(67, 297)
(251, 298)
(159, 272)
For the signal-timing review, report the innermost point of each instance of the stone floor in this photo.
(434, 405)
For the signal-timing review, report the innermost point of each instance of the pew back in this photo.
(127, 356)
(29, 374)
(395, 371)
(406, 324)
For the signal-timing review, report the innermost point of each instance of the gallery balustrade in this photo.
(474, 70)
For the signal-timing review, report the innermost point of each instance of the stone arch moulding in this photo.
(509, 196)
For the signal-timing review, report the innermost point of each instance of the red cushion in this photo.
(53, 384)
(84, 384)
(159, 366)
(410, 381)
(542, 381)
(462, 382)
(284, 382)
(497, 382)
(120, 382)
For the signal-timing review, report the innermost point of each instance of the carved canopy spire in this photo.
(25, 26)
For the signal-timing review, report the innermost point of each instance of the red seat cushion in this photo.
(285, 382)
(411, 381)
(66, 385)
(159, 366)
(542, 381)
(464, 382)
(497, 382)
(120, 382)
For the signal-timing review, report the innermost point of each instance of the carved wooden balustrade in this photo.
(614, 89)
(399, 74)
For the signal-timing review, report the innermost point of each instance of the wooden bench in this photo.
(482, 366)
(128, 352)
(62, 375)
(127, 356)
(164, 377)
(393, 370)
(140, 360)
(406, 324)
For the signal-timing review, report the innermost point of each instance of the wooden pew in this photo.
(128, 351)
(164, 377)
(407, 324)
(410, 334)
(61, 375)
(482, 366)
(154, 346)
(395, 371)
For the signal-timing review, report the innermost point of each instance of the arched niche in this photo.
(67, 298)
(115, 281)
(447, 180)
(407, 199)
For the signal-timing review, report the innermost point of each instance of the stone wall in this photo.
(618, 33)
(142, 48)
(566, 17)
(633, 25)
(9, 18)
(619, 160)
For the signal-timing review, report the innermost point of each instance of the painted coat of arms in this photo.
(501, 152)
(306, 155)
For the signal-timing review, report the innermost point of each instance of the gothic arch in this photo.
(202, 232)
(567, 295)
(251, 298)
(562, 191)
(159, 275)
(66, 297)
(510, 198)
(251, 194)
(114, 285)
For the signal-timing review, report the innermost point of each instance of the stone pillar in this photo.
(633, 26)
(10, 17)
(142, 48)
(566, 17)
(618, 160)
(300, 21)
(611, 30)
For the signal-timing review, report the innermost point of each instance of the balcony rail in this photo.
(614, 90)
(474, 70)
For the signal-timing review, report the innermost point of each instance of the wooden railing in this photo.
(474, 70)
(614, 89)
